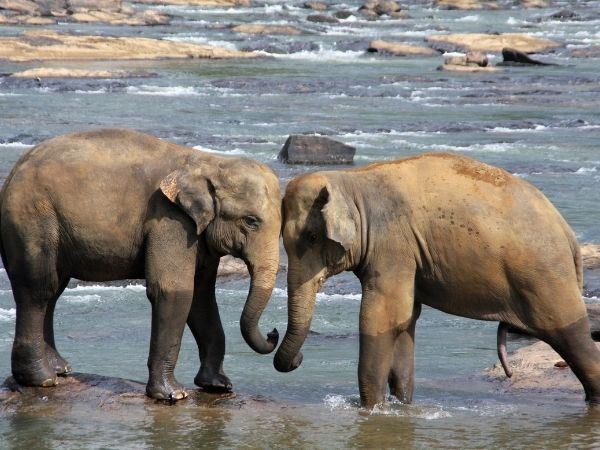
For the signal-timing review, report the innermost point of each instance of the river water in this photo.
(541, 123)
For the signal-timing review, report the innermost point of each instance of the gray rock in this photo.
(321, 18)
(310, 149)
(342, 14)
(512, 56)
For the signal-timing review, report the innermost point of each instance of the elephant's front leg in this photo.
(205, 323)
(402, 375)
(386, 313)
(170, 270)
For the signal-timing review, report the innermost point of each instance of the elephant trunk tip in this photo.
(273, 337)
(282, 366)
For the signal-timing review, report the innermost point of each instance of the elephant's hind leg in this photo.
(205, 323)
(61, 366)
(575, 345)
(32, 363)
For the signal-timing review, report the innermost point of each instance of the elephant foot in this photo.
(168, 390)
(213, 382)
(61, 366)
(37, 373)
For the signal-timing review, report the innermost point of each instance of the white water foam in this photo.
(82, 298)
(92, 92)
(471, 18)
(586, 170)
(202, 41)
(98, 287)
(165, 91)
(7, 315)
(517, 130)
(325, 55)
(15, 145)
(234, 151)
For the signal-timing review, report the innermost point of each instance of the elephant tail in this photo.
(501, 347)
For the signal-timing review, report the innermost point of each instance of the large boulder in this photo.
(256, 28)
(471, 62)
(312, 149)
(465, 4)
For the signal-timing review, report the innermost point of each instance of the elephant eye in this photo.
(311, 237)
(251, 222)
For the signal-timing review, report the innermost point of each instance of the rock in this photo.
(534, 4)
(83, 11)
(471, 62)
(230, 267)
(43, 72)
(207, 3)
(534, 370)
(343, 14)
(512, 56)
(321, 18)
(563, 15)
(317, 6)
(400, 49)
(22, 7)
(99, 393)
(587, 52)
(465, 4)
(494, 42)
(267, 29)
(376, 8)
(466, 68)
(48, 45)
(312, 149)
(590, 254)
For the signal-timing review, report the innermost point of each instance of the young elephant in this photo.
(116, 204)
(441, 230)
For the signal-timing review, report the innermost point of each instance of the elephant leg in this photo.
(575, 345)
(34, 288)
(386, 313)
(170, 266)
(402, 375)
(205, 323)
(60, 365)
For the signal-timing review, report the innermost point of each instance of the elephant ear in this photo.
(340, 223)
(192, 193)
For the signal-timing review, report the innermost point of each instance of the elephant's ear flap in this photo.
(339, 221)
(193, 194)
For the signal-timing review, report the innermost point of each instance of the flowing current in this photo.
(541, 123)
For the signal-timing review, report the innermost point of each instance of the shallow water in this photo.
(541, 123)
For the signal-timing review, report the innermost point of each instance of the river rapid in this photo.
(541, 123)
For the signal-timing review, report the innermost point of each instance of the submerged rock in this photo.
(492, 42)
(400, 49)
(311, 149)
(321, 18)
(48, 45)
(466, 4)
(95, 392)
(317, 6)
(471, 62)
(267, 29)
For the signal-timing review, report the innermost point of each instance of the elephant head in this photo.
(235, 204)
(321, 238)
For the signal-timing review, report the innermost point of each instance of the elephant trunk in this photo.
(300, 311)
(261, 286)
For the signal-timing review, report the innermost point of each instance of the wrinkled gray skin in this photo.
(441, 230)
(116, 204)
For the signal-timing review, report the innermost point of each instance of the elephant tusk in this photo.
(501, 343)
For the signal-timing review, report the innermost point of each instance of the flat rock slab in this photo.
(95, 391)
(49, 45)
(400, 49)
(494, 42)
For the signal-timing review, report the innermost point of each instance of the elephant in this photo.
(116, 204)
(436, 229)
